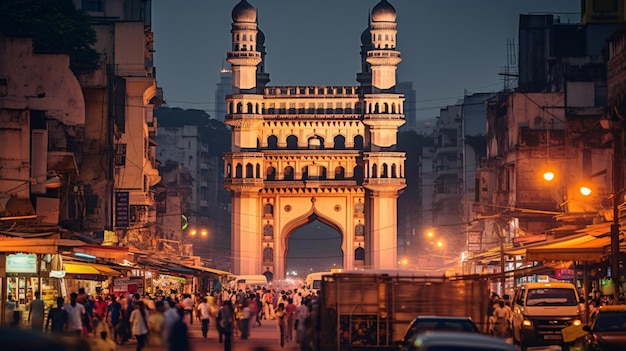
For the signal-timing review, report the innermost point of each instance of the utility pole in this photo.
(614, 125)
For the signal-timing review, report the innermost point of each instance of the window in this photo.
(292, 142)
(358, 142)
(268, 230)
(268, 210)
(268, 255)
(359, 254)
(340, 173)
(249, 171)
(120, 154)
(359, 230)
(271, 173)
(288, 173)
(272, 142)
(239, 171)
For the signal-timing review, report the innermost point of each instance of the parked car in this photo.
(607, 330)
(438, 323)
(457, 341)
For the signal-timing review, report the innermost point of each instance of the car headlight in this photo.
(527, 323)
(577, 322)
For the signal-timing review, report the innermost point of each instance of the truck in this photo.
(371, 310)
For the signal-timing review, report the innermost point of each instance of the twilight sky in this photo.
(447, 46)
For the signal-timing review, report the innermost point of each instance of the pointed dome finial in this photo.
(383, 12)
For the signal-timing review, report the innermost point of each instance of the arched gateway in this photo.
(301, 153)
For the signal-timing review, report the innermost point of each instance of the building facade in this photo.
(301, 153)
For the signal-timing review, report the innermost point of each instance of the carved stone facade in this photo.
(302, 153)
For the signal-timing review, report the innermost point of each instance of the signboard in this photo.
(564, 274)
(127, 286)
(475, 241)
(122, 209)
(21, 263)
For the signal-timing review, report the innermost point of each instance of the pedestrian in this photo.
(170, 316)
(35, 313)
(302, 314)
(501, 316)
(245, 320)
(155, 325)
(290, 310)
(75, 316)
(226, 318)
(178, 339)
(58, 317)
(187, 304)
(139, 324)
(114, 317)
(281, 319)
(204, 313)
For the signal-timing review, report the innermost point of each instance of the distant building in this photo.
(223, 88)
(410, 106)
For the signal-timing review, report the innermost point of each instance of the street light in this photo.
(614, 125)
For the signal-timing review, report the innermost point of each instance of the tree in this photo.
(56, 26)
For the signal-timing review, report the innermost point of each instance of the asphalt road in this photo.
(266, 336)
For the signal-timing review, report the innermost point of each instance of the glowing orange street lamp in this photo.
(585, 191)
(548, 176)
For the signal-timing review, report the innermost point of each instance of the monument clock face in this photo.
(306, 153)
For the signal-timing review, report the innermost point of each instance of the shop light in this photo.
(84, 255)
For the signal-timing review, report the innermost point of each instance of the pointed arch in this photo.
(239, 171)
(258, 171)
(374, 173)
(359, 254)
(339, 142)
(292, 142)
(384, 173)
(288, 173)
(272, 142)
(239, 107)
(268, 254)
(249, 108)
(249, 170)
(358, 142)
(394, 173)
(340, 173)
(270, 173)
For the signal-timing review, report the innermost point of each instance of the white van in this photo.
(247, 281)
(313, 281)
(541, 310)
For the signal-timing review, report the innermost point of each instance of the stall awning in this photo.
(36, 245)
(84, 268)
(208, 270)
(579, 247)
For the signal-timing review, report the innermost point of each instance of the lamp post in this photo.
(615, 127)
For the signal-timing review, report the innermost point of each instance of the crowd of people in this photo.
(163, 321)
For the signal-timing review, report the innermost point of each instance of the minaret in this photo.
(383, 58)
(244, 56)
(382, 115)
(242, 174)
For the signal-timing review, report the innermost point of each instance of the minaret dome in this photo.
(244, 12)
(383, 12)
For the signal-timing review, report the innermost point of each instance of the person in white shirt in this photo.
(187, 305)
(204, 311)
(139, 324)
(75, 314)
